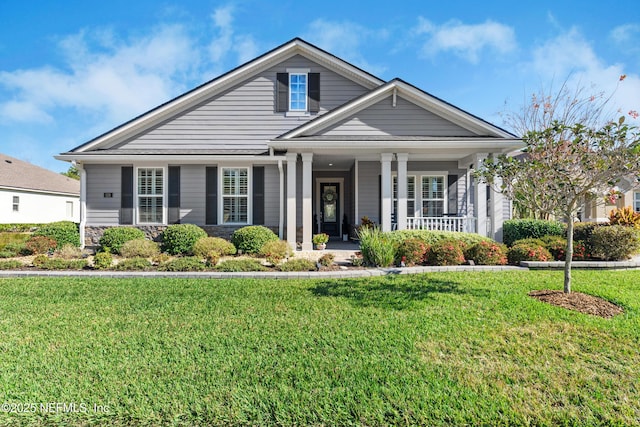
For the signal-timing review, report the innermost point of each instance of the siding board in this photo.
(103, 179)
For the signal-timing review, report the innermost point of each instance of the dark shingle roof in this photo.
(15, 173)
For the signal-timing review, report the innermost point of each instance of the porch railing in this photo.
(442, 223)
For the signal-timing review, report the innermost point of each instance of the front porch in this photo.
(331, 193)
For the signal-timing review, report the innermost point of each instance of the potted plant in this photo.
(345, 228)
(320, 240)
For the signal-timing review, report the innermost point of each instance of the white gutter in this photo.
(195, 159)
(350, 145)
(83, 202)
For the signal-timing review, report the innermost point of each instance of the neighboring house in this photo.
(30, 194)
(295, 139)
(599, 212)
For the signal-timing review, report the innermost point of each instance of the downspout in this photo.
(83, 202)
(281, 215)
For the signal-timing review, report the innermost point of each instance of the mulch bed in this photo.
(587, 304)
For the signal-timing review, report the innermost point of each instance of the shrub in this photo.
(429, 237)
(298, 264)
(13, 238)
(625, 216)
(133, 264)
(40, 245)
(615, 242)
(487, 253)
(357, 260)
(377, 248)
(446, 252)
(327, 259)
(7, 254)
(68, 252)
(275, 251)
(556, 245)
(190, 263)
(518, 229)
(212, 258)
(179, 239)
(63, 232)
(161, 258)
(113, 238)
(582, 231)
(16, 248)
(528, 252)
(39, 260)
(250, 239)
(206, 245)
(240, 265)
(11, 264)
(102, 260)
(142, 248)
(580, 251)
(60, 264)
(412, 251)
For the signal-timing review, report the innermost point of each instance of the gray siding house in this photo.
(296, 140)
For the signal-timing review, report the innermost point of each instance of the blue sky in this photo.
(71, 70)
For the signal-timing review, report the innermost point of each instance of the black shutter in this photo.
(452, 184)
(258, 195)
(282, 92)
(314, 92)
(211, 190)
(126, 195)
(174, 194)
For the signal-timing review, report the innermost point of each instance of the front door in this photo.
(330, 208)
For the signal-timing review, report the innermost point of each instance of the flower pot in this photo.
(345, 237)
(321, 246)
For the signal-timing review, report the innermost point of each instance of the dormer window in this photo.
(298, 92)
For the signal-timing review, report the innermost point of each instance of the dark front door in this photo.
(330, 208)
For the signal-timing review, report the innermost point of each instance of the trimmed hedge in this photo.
(275, 251)
(179, 239)
(615, 242)
(528, 251)
(412, 251)
(113, 238)
(240, 265)
(183, 264)
(518, 229)
(429, 237)
(63, 232)
(446, 252)
(298, 264)
(250, 239)
(487, 253)
(206, 245)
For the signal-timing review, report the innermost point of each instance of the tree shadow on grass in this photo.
(397, 293)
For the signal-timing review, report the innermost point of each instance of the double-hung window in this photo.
(150, 195)
(433, 196)
(16, 203)
(297, 92)
(636, 201)
(235, 195)
(411, 196)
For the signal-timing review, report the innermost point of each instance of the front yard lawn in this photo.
(432, 349)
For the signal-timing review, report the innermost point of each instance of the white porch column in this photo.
(480, 202)
(385, 172)
(291, 199)
(497, 211)
(307, 214)
(401, 212)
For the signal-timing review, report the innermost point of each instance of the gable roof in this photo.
(189, 99)
(398, 87)
(20, 175)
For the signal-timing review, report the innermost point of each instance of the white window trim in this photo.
(445, 191)
(416, 186)
(221, 195)
(164, 195)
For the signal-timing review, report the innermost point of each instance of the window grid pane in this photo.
(432, 196)
(636, 202)
(298, 92)
(150, 192)
(235, 201)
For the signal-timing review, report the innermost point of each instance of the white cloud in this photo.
(346, 40)
(626, 34)
(227, 41)
(465, 40)
(569, 54)
(103, 76)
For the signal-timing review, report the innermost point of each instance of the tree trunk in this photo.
(569, 256)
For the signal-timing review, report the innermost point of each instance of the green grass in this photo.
(433, 349)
